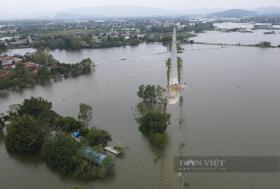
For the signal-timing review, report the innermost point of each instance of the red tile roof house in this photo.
(31, 66)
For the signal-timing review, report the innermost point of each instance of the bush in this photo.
(70, 124)
(158, 139)
(97, 137)
(40, 109)
(84, 170)
(154, 122)
(61, 154)
(151, 93)
(24, 135)
(84, 131)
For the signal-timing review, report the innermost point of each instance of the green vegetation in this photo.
(70, 124)
(166, 38)
(18, 78)
(96, 137)
(154, 125)
(79, 39)
(34, 128)
(159, 139)
(179, 68)
(153, 120)
(3, 46)
(24, 135)
(179, 48)
(151, 93)
(168, 66)
(264, 44)
(44, 69)
(200, 27)
(85, 114)
(41, 57)
(64, 39)
(61, 154)
(2, 122)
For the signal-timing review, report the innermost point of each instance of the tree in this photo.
(84, 170)
(96, 137)
(43, 74)
(2, 122)
(86, 65)
(85, 114)
(61, 154)
(141, 91)
(154, 122)
(40, 109)
(151, 93)
(41, 57)
(158, 139)
(70, 124)
(24, 135)
(36, 107)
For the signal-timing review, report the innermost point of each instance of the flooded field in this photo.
(230, 106)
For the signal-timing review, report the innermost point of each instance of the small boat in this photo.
(112, 150)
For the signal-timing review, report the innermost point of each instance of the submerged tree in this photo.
(95, 137)
(154, 122)
(85, 114)
(61, 154)
(24, 135)
(154, 125)
(151, 93)
(179, 68)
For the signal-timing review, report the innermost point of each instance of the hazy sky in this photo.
(29, 6)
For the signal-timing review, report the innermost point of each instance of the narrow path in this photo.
(162, 167)
(231, 44)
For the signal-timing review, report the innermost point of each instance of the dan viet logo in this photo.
(203, 164)
(226, 164)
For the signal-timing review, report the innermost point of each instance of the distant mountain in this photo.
(202, 11)
(268, 10)
(234, 13)
(136, 11)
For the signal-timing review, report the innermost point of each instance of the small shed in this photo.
(90, 154)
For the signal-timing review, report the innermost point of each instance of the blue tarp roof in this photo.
(75, 134)
(92, 155)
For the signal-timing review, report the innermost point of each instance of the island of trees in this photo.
(33, 127)
(39, 67)
(152, 117)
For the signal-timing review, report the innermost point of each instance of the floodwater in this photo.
(236, 37)
(230, 107)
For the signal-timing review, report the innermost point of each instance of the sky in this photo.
(31, 6)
